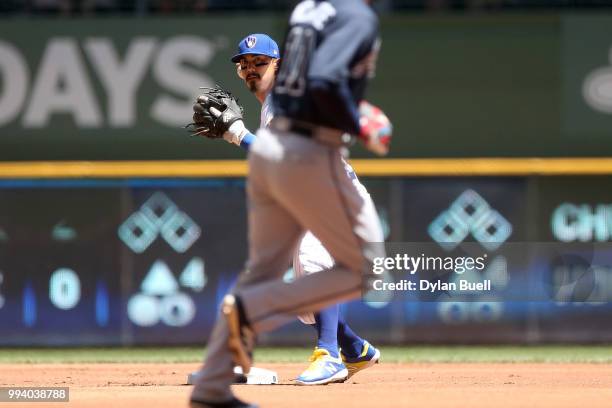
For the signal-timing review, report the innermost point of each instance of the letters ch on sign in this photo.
(582, 222)
(62, 83)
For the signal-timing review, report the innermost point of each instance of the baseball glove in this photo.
(214, 111)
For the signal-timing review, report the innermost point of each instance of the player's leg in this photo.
(326, 324)
(325, 366)
(312, 184)
(357, 353)
(273, 236)
(350, 343)
(214, 379)
(332, 329)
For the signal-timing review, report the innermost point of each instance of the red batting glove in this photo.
(376, 128)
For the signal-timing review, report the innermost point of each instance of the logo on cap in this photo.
(251, 41)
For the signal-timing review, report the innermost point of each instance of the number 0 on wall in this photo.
(64, 288)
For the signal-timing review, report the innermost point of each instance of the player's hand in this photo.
(216, 110)
(376, 128)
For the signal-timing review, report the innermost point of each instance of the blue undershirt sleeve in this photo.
(247, 140)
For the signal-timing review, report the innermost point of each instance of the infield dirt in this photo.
(385, 385)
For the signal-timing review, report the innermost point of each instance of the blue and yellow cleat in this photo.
(323, 369)
(368, 357)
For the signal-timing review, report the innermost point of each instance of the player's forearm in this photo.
(239, 135)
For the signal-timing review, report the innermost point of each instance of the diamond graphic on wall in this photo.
(159, 216)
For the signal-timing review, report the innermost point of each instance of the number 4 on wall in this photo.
(160, 280)
(194, 275)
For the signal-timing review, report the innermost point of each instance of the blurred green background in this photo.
(453, 85)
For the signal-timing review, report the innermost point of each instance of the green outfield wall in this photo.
(454, 86)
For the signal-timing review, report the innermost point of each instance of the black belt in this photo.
(301, 130)
(309, 131)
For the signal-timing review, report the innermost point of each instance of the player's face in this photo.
(258, 72)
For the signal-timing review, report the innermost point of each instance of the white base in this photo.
(257, 376)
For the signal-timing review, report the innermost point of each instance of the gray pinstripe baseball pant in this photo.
(295, 184)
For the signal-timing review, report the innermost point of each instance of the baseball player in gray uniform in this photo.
(297, 182)
(340, 353)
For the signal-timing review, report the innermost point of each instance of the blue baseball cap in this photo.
(257, 44)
